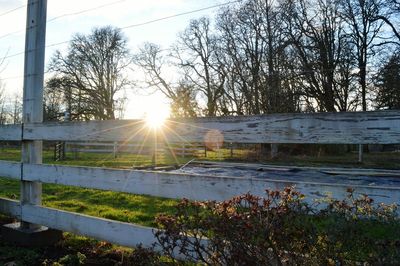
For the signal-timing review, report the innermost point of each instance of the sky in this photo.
(119, 13)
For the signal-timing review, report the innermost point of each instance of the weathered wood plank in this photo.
(10, 170)
(114, 130)
(10, 132)
(136, 151)
(192, 186)
(10, 208)
(331, 128)
(119, 145)
(124, 234)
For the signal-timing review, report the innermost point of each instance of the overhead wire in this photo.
(85, 10)
(66, 15)
(12, 10)
(133, 25)
(179, 14)
(125, 27)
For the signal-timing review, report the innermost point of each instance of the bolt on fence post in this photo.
(31, 192)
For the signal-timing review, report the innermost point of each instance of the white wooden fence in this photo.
(364, 127)
(335, 128)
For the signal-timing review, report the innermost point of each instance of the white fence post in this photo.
(115, 149)
(31, 192)
(360, 153)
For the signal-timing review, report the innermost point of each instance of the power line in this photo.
(8, 12)
(32, 50)
(20, 76)
(133, 25)
(179, 14)
(85, 10)
(12, 10)
(65, 15)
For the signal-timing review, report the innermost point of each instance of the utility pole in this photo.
(31, 192)
(35, 39)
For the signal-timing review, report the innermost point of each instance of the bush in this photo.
(281, 229)
(72, 260)
(141, 256)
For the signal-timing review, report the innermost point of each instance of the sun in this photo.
(155, 118)
(153, 109)
(155, 121)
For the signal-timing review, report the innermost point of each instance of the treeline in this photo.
(265, 56)
(253, 57)
(10, 108)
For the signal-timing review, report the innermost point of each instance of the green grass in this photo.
(383, 160)
(124, 207)
(380, 160)
(123, 160)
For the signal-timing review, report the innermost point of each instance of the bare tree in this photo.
(254, 57)
(317, 36)
(16, 116)
(182, 95)
(152, 61)
(54, 99)
(3, 109)
(196, 52)
(185, 104)
(95, 68)
(392, 9)
(241, 29)
(364, 32)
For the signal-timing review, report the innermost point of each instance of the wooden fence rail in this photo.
(379, 127)
(11, 132)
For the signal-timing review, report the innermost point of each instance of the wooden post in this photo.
(31, 192)
(154, 157)
(274, 150)
(231, 147)
(360, 153)
(115, 149)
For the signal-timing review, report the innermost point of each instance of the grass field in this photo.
(137, 209)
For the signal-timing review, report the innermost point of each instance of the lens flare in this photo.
(155, 120)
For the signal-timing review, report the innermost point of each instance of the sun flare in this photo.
(156, 119)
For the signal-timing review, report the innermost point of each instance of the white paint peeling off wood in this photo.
(10, 132)
(10, 170)
(192, 186)
(10, 207)
(331, 128)
(124, 234)
(113, 130)
(120, 233)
